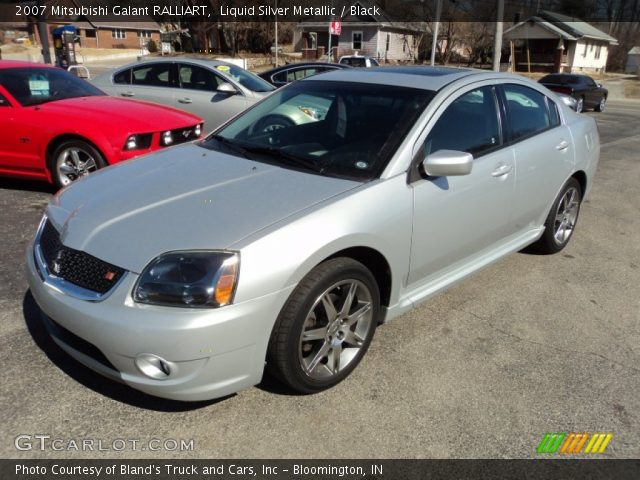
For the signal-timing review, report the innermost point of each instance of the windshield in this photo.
(344, 129)
(245, 78)
(35, 86)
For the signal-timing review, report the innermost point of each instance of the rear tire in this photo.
(325, 327)
(580, 105)
(562, 219)
(73, 159)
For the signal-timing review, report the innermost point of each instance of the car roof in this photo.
(205, 62)
(20, 64)
(423, 77)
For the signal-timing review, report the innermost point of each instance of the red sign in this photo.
(336, 26)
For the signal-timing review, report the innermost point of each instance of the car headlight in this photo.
(198, 130)
(193, 279)
(138, 142)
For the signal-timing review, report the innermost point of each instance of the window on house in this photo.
(356, 40)
(90, 33)
(144, 34)
(586, 47)
(118, 33)
(598, 51)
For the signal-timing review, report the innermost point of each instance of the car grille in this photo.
(183, 135)
(75, 266)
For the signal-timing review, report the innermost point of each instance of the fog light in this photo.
(167, 138)
(154, 367)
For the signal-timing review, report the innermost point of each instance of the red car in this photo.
(58, 127)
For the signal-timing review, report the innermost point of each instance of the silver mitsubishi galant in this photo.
(284, 244)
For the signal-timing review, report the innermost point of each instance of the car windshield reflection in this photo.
(343, 129)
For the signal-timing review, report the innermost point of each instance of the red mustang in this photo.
(58, 127)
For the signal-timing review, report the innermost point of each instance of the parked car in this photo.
(58, 127)
(285, 74)
(288, 247)
(358, 61)
(211, 89)
(568, 100)
(584, 89)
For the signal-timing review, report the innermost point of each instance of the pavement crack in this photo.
(544, 345)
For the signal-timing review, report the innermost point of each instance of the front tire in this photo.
(562, 219)
(325, 327)
(73, 159)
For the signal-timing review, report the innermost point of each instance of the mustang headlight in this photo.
(189, 279)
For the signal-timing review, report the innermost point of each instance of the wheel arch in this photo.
(581, 177)
(375, 262)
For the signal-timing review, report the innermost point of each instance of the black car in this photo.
(280, 76)
(584, 89)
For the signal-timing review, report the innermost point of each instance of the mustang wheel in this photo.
(74, 159)
(325, 327)
(562, 219)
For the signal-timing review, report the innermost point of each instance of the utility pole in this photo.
(276, 33)
(497, 41)
(436, 27)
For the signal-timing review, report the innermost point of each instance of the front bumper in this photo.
(212, 352)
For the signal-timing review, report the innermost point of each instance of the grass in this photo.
(632, 88)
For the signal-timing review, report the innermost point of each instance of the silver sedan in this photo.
(212, 89)
(184, 273)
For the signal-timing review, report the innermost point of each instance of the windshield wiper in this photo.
(231, 145)
(284, 156)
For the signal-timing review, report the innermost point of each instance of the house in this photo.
(551, 42)
(633, 61)
(371, 35)
(96, 34)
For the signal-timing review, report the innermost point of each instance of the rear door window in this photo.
(154, 75)
(528, 112)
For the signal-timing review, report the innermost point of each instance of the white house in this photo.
(550, 42)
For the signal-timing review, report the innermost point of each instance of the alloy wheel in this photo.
(73, 163)
(335, 329)
(566, 215)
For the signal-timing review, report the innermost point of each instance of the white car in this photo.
(185, 272)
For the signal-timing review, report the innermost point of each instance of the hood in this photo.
(145, 116)
(182, 198)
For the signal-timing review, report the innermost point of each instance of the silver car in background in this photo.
(212, 89)
(184, 273)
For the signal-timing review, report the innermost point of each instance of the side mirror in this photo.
(445, 163)
(227, 88)
(599, 85)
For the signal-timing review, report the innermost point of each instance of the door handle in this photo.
(563, 145)
(185, 100)
(501, 170)
(127, 94)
